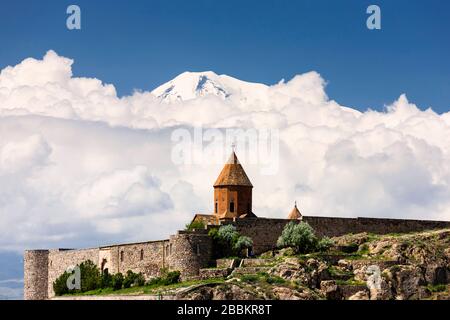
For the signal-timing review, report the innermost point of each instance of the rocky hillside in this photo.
(357, 267)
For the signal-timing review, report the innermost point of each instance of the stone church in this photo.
(190, 251)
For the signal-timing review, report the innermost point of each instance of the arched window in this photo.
(216, 207)
(121, 256)
(142, 254)
(232, 206)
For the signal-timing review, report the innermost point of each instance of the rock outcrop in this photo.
(358, 267)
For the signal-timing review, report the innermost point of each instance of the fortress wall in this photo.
(331, 227)
(264, 232)
(35, 282)
(59, 260)
(190, 251)
(128, 257)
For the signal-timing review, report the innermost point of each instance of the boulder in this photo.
(360, 295)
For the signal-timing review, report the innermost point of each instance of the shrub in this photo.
(250, 278)
(299, 236)
(172, 278)
(228, 233)
(60, 284)
(242, 242)
(139, 280)
(324, 244)
(437, 288)
(168, 279)
(117, 281)
(275, 280)
(228, 242)
(90, 276)
(129, 279)
(133, 279)
(106, 280)
(195, 225)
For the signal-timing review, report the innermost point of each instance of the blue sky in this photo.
(141, 44)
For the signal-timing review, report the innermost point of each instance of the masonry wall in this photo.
(264, 232)
(146, 257)
(188, 252)
(191, 251)
(331, 227)
(35, 282)
(59, 260)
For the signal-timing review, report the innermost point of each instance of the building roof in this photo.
(233, 174)
(295, 213)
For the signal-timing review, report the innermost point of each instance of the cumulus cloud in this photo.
(80, 166)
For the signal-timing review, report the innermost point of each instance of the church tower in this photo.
(233, 191)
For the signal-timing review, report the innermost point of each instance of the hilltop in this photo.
(411, 266)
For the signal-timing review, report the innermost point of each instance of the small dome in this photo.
(295, 213)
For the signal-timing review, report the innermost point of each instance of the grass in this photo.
(148, 289)
(335, 272)
(350, 282)
(437, 288)
(262, 277)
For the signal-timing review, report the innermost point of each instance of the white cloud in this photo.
(80, 166)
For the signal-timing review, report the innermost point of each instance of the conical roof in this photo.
(233, 174)
(295, 214)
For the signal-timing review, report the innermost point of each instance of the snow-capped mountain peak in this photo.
(191, 85)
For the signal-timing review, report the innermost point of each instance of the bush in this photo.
(228, 242)
(299, 236)
(228, 233)
(60, 284)
(324, 244)
(133, 279)
(249, 278)
(139, 280)
(195, 225)
(168, 279)
(302, 239)
(242, 242)
(172, 278)
(117, 281)
(275, 280)
(106, 280)
(90, 276)
(91, 279)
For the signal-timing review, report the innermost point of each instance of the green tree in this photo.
(242, 243)
(299, 236)
(228, 241)
(90, 276)
(60, 285)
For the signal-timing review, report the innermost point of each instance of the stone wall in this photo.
(146, 257)
(264, 232)
(35, 282)
(331, 227)
(191, 251)
(60, 259)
